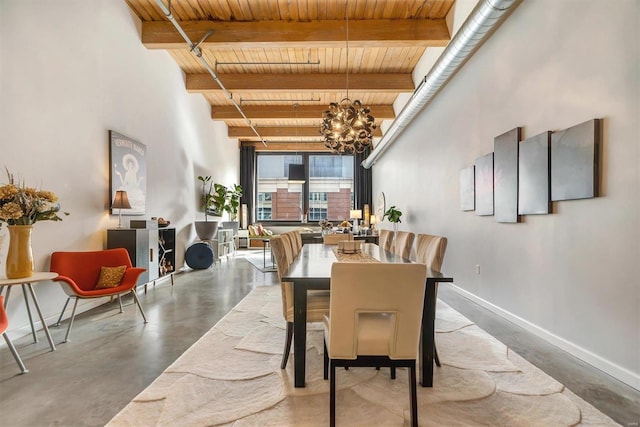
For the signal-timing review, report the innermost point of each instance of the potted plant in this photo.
(233, 202)
(393, 215)
(218, 199)
(206, 229)
(231, 206)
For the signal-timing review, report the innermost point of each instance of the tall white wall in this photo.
(572, 276)
(70, 70)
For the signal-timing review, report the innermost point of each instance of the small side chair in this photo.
(94, 274)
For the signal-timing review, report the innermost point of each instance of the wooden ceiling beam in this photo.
(280, 132)
(287, 112)
(288, 34)
(285, 146)
(273, 83)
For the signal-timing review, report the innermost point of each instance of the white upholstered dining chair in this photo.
(403, 243)
(333, 239)
(374, 320)
(317, 301)
(430, 251)
(385, 239)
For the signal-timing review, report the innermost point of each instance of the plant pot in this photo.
(231, 225)
(206, 230)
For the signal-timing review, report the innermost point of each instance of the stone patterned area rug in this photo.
(232, 377)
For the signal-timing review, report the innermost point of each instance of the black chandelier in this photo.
(347, 127)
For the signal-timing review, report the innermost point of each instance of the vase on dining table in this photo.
(19, 254)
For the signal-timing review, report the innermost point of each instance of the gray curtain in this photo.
(247, 179)
(363, 181)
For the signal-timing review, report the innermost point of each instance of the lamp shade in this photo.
(373, 219)
(121, 200)
(296, 173)
(355, 214)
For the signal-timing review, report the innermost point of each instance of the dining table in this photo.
(311, 270)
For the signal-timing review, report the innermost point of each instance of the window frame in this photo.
(305, 187)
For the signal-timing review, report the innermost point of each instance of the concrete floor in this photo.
(112, 357)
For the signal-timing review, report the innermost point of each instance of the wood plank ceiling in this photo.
(284, 61)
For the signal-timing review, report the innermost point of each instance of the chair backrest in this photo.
(430, 250)
(298, 239)
(4, 320)
(385, 239)
(84, 267)
(282, 265)
(364, 289)
(403, 243)
(288, 247)
(333, 239)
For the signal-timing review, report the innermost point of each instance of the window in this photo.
(277, 198)
(328, 192)
(330, 187)
(264, 206)
(317, 206)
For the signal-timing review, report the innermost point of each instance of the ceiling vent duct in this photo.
(483, 20)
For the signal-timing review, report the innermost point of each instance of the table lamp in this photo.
(355, 215)
(373, 220)
(120, 201)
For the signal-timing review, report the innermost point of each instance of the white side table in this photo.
(27, 283)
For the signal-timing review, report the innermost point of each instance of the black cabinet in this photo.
(153, 249)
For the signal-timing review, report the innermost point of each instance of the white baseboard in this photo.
(25, 330)
(626, 376)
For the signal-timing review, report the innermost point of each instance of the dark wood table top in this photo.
(315, 260)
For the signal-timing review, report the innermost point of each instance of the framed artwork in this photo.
(533, 176)
(574, 161)
(467, 189)
(484, 184)
(505, 175)
(128, 171)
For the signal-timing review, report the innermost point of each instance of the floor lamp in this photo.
(120, 201)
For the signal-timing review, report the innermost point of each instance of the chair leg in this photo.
(135, 298)
(413, 395)
(63, 309)
(15, 353)
(287, 345)
(393, 372)
(73, 316)
(326, 362)
(120, 303)
(332, 396)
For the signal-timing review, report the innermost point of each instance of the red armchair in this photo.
(79, 273)
(4, 324)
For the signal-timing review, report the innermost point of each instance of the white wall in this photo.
(571, 277)
(70, 70)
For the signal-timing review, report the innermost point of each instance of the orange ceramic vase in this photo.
(19, 255)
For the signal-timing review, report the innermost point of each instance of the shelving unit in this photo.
(166, 251)
(226, 244)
